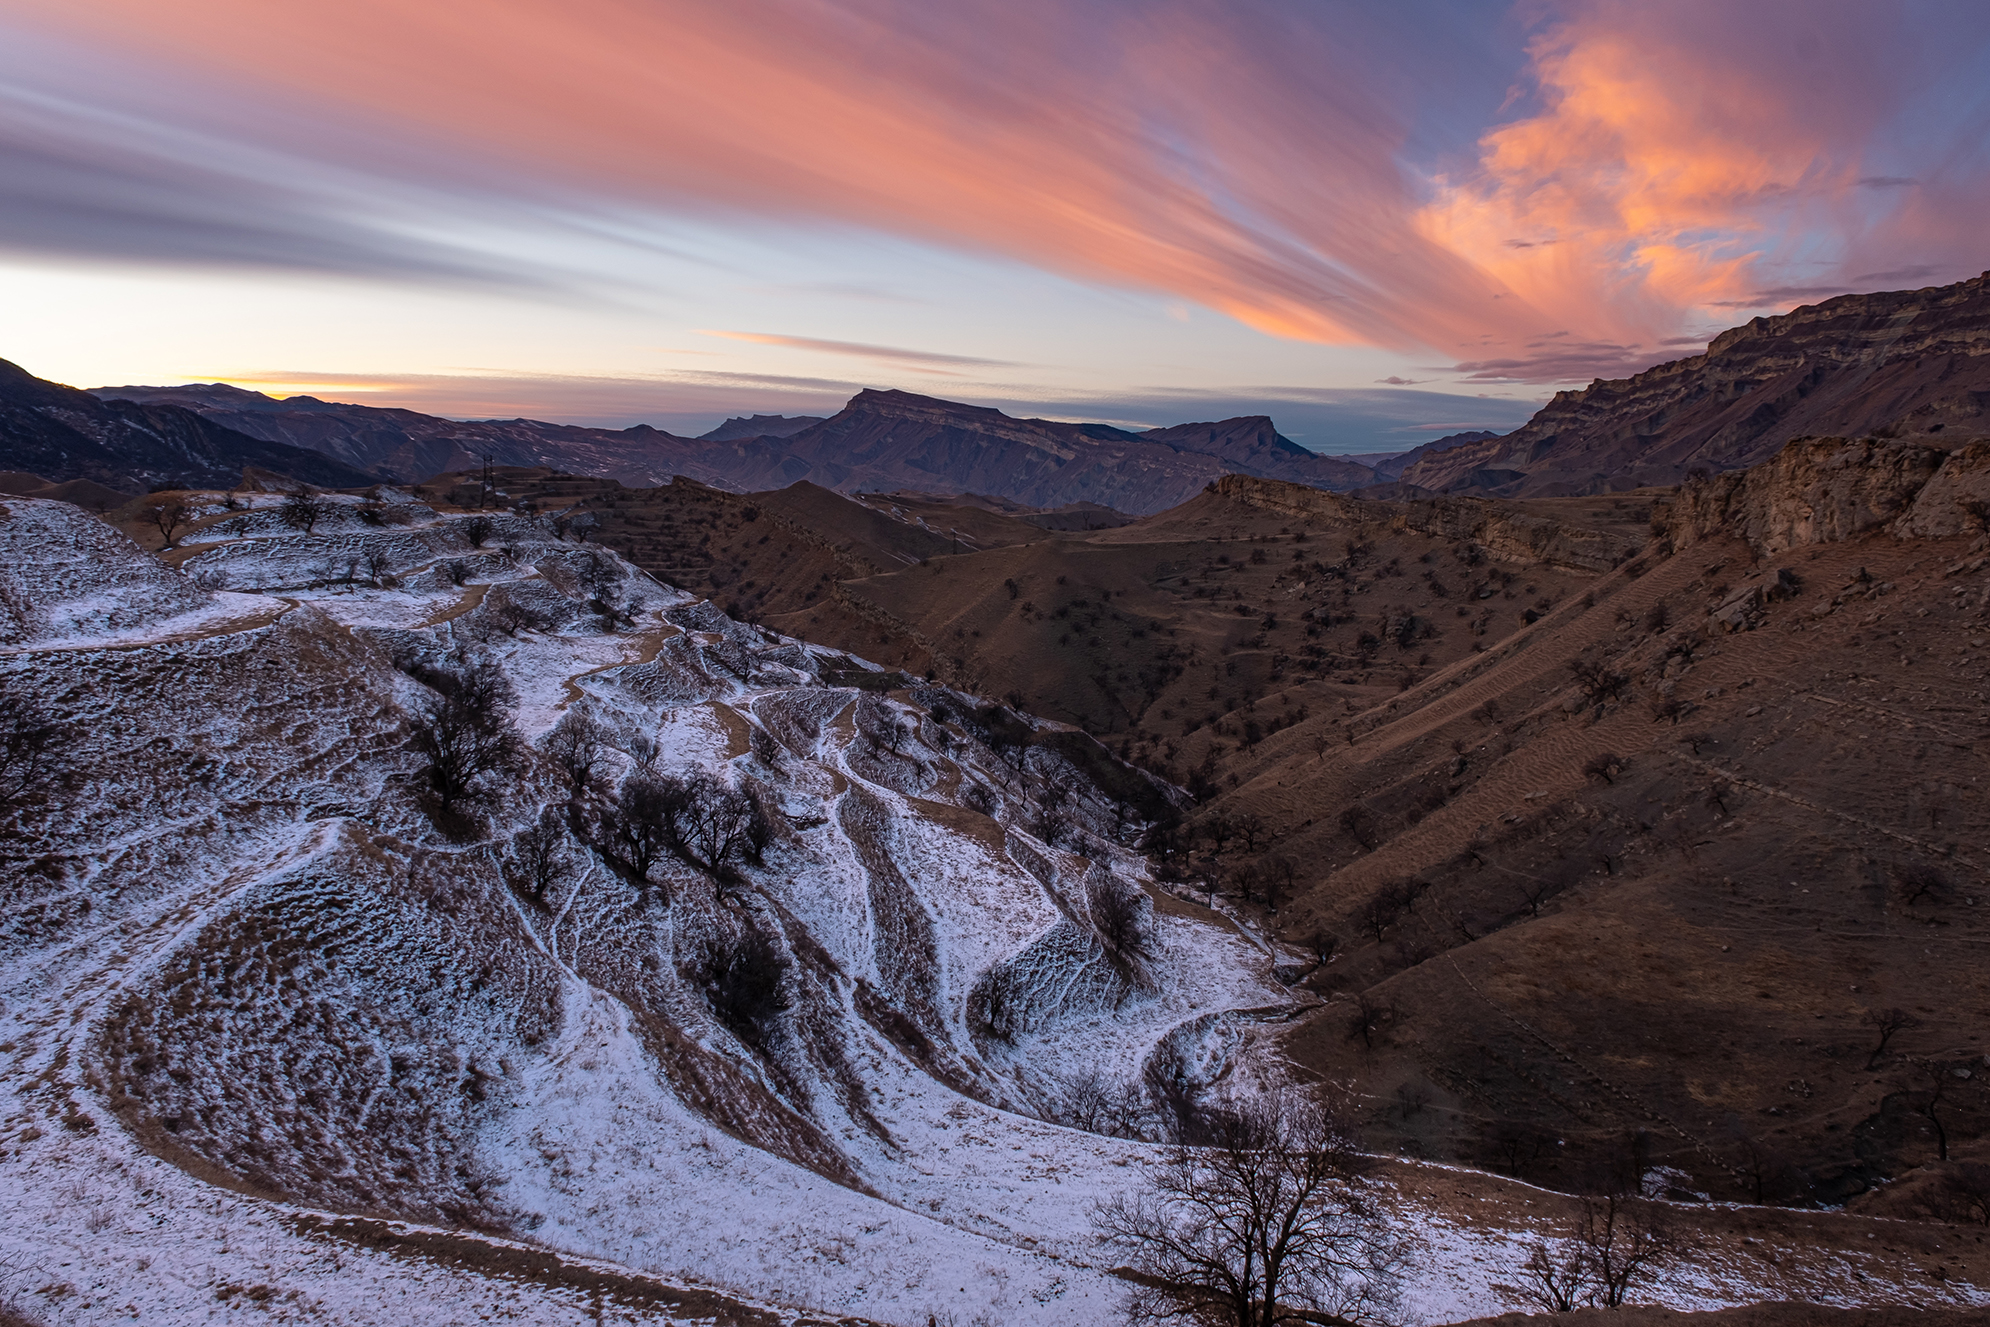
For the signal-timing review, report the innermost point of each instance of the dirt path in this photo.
(227, 627)
(652, 645)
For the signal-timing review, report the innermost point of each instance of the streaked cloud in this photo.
(1340, 174)
(892, 354)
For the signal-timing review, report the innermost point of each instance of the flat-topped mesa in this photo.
(1905, 363)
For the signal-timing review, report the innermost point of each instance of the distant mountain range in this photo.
(1896, 363)
(63, 434)
(881, 440)
(1900, 362)
(759, 426)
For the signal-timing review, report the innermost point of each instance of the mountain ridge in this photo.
(1908, 361)
(881, 439)
(62, 434)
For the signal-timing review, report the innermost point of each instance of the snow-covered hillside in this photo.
(295, 1025)
(242, 952)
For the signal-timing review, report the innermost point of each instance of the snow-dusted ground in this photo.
(246, 979)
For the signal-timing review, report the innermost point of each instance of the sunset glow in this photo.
(1015, 201)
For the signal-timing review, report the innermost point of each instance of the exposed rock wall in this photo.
(1826, 490)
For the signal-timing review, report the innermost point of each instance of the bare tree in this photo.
(1886, 1022)
(577, 745)
(302, 510)
(1098, 1104)
(1371, 1016)
(765, 749)
(1625, 1242)
(538, 857)
(647, 822)
(1123, 916)
(1275, 878)
(28, 741)
(1934, 1080)
(477, 530)
(716, 823)
(1557, 1281)
(1272, 1222)
(167, 515)
(379, 567)
(462, 728)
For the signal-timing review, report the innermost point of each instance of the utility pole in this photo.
(484, 496)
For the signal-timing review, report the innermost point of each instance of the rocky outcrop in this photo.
(1504, 534)
(1826, 490)
(1899, 363)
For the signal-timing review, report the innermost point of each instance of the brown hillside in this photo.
(1645, 876)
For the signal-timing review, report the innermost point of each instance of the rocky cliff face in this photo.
(1828, 490)
(1902, 363)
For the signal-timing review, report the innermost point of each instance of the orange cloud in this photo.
(1663, 164)
(1234, 157)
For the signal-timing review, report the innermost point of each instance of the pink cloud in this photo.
(1669, 158)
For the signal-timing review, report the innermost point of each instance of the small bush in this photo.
(742, 977)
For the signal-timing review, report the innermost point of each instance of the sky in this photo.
(1376, 222)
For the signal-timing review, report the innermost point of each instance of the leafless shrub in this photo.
(742, 976)
(1886, 1024)
(1666, 709)
(28, 750)
(302, 510)
(1604, 766)
(1916, 881)
(1960, 1194)
(1599, 685)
